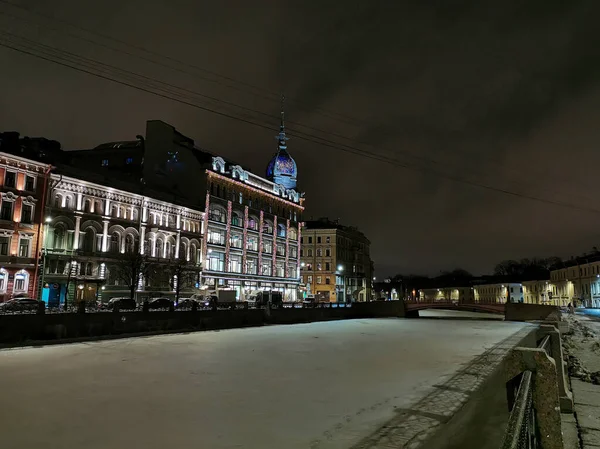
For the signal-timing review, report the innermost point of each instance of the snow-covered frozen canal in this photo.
(319, 385)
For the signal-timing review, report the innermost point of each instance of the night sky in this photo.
(503, 93)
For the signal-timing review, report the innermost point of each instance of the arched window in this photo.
(253, 223)
(168, 250)
(281, 230)
(98, 207)
(237, 220)
(87, 205)
(114, 242)
(217, 214)
(89, 240)
(68, 202)
(57, 200)
(3, 280)
(59, 237)
(129, 243)
(114, 211)
(182, 250)
(194, 253)
(158, 248)
(267, 227)
(21, 283)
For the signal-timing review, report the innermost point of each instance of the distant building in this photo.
(22, 187)
(498, 293)
(447, 294)
(336, 262)
(577, 282)
(537, 292)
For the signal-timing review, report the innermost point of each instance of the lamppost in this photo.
(340, 270)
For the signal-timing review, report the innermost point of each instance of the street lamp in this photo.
(48, 219)
(340, 268)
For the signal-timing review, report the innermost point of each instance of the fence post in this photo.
(545, 391)
(556, 352)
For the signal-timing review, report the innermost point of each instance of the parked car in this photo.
(160, 303)
(20, 305)
(186, 303)
(122, 303)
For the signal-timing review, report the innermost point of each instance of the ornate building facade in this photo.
(22, 186)
(253, 227)
(93, 229)
(161, 197)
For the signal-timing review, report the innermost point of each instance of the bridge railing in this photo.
(535, 402)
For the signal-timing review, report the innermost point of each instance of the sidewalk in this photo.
(582, 348)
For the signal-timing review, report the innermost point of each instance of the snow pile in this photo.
(582, 349)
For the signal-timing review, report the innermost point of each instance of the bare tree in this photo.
(130, 268)
(183, 275)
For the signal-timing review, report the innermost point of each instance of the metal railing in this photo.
(521, 432)
(103, 308)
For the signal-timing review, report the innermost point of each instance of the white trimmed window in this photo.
(21, 282)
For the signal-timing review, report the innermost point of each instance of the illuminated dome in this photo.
(282, 168)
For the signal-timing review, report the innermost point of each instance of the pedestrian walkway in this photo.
(582, 347)
(586, 397)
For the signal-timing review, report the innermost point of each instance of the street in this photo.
(319, 385)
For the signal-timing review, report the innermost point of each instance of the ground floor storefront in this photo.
(245, 288)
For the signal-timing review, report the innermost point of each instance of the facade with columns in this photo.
(22, 184)
(253, 228)
(170, 201)
(89, 229)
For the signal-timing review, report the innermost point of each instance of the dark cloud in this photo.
(501, 93)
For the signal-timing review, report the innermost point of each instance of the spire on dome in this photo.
(281, 136)
(282, 168)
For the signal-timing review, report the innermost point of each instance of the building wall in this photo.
(337, 264)
(21, 187)
(91, 227)
(537, 292)
(252, 235)
(498, 293)
(444, 294)
(576, 284)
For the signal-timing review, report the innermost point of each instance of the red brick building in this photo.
(22, 187)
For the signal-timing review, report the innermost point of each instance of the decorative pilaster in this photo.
(287, 248)
(79, 198)
(142, 238)
(245, 240)
(205, 226)
(299, 248)
(274, 261)
(260, 242)
(228, 235)
(77, 230)
(177, 240)
(105, 235)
